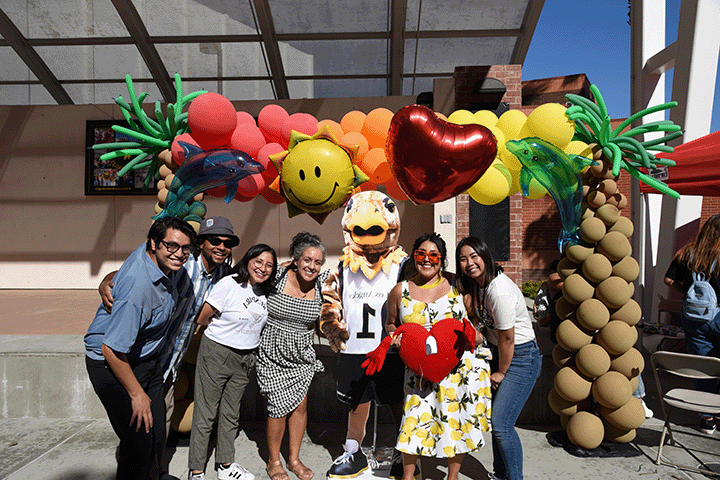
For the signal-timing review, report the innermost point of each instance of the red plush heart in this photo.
(432, 354)
(433, 160)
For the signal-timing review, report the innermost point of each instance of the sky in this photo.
(593, 37)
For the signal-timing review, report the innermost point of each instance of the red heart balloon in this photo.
(432, 354)
(433, 160)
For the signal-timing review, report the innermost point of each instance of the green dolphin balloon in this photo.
(559, 174)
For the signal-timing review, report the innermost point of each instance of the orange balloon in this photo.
(376, 166)
(353, 121)
(394, 190)
(335, 128)
(367, 186)
(376, 127)
(356, 138)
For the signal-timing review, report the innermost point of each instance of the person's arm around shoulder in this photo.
(206, 313)
(105, 290)
(393, 313)
(119, 365)
(473, 318)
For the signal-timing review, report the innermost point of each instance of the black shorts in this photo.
(386, 387)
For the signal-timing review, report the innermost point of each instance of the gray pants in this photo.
(221, 375)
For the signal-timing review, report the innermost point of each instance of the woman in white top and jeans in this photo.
(235, 312)
(500, 307)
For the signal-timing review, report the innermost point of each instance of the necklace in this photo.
(432, 285)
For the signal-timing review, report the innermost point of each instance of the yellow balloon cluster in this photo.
(502, 179)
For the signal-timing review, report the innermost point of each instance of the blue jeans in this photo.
(703, 338)
(507, 403)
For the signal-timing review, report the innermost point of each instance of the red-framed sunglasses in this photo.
(420, 256)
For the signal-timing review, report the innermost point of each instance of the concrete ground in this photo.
(80, 447)
(85, 449)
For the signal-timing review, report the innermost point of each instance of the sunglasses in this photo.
(173, 247)
(421, 255)
(215, 241)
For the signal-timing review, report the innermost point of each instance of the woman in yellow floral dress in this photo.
(444, 419)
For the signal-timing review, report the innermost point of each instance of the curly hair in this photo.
(304, 240)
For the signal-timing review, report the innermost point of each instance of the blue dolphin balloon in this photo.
(203, 170)
(559, 174)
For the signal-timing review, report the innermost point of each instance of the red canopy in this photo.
(697, 169)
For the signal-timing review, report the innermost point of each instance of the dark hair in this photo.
(243, 274)
(465, 283)
(701, 255)
(439, 243)
(302, 241)
(198, 243)
(159, 229)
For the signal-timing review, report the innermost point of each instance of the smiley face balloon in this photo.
(317, 174)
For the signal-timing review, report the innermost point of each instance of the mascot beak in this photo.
(370, 228)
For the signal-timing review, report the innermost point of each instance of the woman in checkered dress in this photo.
(286, 356)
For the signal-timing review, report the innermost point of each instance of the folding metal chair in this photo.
(687, 366)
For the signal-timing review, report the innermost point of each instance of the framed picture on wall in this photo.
(101, 176)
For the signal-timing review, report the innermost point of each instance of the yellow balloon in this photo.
(486, 117)
(510, 123)
(492, 187)
(535, 190)
(515, 183)
(440, 115)
(508, 159)
(462, 117)
(576, 147)
(500, 138)
(526, 132)
(549, 122)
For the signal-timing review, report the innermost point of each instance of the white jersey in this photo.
(364, 307)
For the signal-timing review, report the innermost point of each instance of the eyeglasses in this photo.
(421, 255)
(229, 243)
(173, 247)
(258, 263)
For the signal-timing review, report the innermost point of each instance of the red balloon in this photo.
(249, 187)
(263, 157)
(212, 119)
(270, 121)
(178, 155)
(220, 191)
(247, 138)
(244, 118)
(433, 160)
(300, 122)
(272, 196)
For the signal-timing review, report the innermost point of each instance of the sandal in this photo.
(276, 471)
(300, 470)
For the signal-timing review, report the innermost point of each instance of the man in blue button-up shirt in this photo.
(122, 347)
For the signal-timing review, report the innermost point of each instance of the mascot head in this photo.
(371, 223)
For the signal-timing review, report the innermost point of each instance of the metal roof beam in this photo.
(269, 37)
(138, 31)
(396, 62)
(253, 38)
(19, 43)
(532, 14)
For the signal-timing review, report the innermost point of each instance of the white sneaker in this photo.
(234, 471)
(648, 413)
(196, 476)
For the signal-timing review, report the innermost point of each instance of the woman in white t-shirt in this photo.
(235, 313)
(500, 307)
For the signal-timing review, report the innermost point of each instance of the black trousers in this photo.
(139, 452)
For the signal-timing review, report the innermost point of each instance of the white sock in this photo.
(351, 446)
